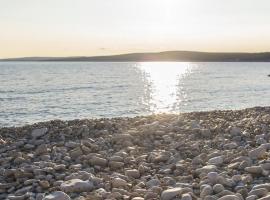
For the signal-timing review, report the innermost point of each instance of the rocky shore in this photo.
(202, 155)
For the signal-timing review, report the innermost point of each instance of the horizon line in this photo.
(142, 52)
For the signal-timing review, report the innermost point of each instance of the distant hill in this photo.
(184, 56)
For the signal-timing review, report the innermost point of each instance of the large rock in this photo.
(171, 193)
(77, 185)
(58, 195)
(37, 133)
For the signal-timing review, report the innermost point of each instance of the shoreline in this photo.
(46, 122)
(196, 155)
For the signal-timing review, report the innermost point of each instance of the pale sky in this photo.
(100, 27)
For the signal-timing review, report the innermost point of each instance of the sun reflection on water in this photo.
(162, 84)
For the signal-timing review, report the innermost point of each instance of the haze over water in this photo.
(39, 91)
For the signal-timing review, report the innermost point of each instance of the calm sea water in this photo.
(40, 91)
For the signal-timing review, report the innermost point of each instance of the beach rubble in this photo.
(217, 155)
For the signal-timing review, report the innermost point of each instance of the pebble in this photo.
(76, 185)
(134, 173)
(217, 188)
(229, 197)
(260, 192)
(216, 160)
(170, 193)
(208, 155)
(254, 169)
(58, 195)
(205, 191)
(37, 133)
(257, 153)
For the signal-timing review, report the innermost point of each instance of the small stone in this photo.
(217, 188)
(98, 161)
(258, 192)
(58, 195)
(206, 190)
(265, 198)
(216, 160)
(230, 146)
(40, 196)
(75, 153)
(134, 173)
(77, 185)
(206, 133)
(186, 197)
(21, 197)
(264, 185)
(116, 165)
(254, 169)
(229, 197)
(206, 169)
(170, 193)
(37, 133)
(257, 153)
(44, 184)
(41, 149)
(252, 197)
(118, 183)
(152, 183)
(212, 177)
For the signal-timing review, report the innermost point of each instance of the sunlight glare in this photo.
(163, 78)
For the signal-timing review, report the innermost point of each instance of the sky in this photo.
(103, 27)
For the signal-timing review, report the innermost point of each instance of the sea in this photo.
(32, 92)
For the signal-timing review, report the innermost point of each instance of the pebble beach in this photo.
(199, 155)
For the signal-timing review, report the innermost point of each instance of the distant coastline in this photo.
(176, 56)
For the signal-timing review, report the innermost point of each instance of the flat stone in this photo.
(206, 169)
(116, 165)
(212, 177)
(58, 195)
(152, 183)
(254, 169)
(265, 198)
(217, 188)
(257, 153)
(206, 190)
(231, 145)
(37, 133)
(186, 197)
(216, 160)
(170, 193)
(98, 161)
(75, 153)
(264, 185)
(260, 192)
(119, 183)
(229, 197)
(77, 185)
(134, 173)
